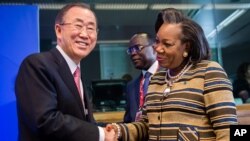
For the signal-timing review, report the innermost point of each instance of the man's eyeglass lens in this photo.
(135, 48)
(80, 27)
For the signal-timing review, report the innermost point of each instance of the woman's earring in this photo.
(185, 54)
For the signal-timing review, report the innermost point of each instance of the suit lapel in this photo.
(87, 103)
(137, 89)
(67, 77)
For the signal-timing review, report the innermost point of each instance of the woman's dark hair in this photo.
(65, 9)
(194, 35)
(192, 32)
(168, 15)
(242, 69)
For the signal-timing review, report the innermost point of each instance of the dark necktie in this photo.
(146, 82)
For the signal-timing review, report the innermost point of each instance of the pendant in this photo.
(166, 91)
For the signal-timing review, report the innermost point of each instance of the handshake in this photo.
(112, 132)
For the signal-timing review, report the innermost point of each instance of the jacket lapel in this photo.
(67, 77)
(88, 104)
(137, 89)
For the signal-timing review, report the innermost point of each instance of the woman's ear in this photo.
(187, 47)
(187, 50)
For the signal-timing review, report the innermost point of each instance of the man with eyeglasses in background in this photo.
(52, 102)
(143, 57)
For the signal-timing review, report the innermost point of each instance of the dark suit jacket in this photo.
(132, 99)
(48, 104)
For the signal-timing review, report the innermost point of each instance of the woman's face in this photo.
(169, 47)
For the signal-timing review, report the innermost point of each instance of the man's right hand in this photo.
(110, 134)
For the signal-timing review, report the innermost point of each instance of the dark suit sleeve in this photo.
(127, 118)
(46, 108)
(132, 100)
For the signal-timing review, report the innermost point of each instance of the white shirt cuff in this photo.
(101, 133)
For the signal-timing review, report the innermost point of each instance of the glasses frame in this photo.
(79, 27)
(136, 48)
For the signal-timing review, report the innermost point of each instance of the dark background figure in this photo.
(52, 101)
(241, 85)
(143, 57)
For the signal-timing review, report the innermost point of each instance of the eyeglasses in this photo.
(136, 49)
(78, 26)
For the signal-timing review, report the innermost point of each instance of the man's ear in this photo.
(58, 30)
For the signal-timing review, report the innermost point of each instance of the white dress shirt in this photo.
(72, 66)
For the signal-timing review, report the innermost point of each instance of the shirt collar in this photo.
(72, 65)
(152, 69)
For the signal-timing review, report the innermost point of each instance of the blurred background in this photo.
(226, 24)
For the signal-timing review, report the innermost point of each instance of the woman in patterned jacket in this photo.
(192, 99)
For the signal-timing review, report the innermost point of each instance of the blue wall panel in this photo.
(19, 37)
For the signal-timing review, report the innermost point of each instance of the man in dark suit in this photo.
(52, 102)
(143, 57)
